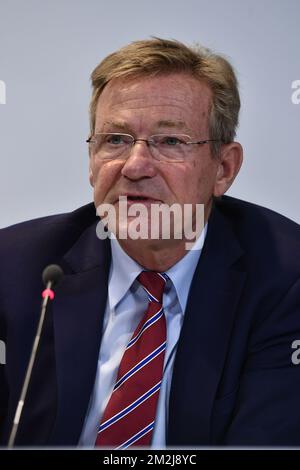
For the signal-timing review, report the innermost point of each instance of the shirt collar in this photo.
(124, 270)
(181, 274)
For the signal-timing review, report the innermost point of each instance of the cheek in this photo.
(104, 177)
(200, 181)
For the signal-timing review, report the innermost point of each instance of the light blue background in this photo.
(48, 49)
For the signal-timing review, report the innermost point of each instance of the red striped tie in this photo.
(129, 417)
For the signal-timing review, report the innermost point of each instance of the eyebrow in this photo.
(169, 123)
(123, 126)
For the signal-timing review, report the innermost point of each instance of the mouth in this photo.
(138, 198)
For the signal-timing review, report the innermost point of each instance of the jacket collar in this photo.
(78, 317)
(78, 313)
(214, 294)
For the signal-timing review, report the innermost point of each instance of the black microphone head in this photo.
(52, 273)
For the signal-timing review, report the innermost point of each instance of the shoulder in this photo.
(244, 210)
(267, 238)
(246, 216)
(44, 238)
(59, 225)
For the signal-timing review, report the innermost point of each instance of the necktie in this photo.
(129, 416)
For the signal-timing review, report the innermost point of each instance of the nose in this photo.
(140, 163)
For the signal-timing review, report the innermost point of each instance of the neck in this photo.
(160, 255)
(154, 254)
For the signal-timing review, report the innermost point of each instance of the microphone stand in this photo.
(51, 275)
(29, 370)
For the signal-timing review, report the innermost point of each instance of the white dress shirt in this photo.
(126, 304)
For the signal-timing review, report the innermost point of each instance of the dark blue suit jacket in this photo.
(233, 382)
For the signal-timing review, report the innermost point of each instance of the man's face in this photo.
(172, 104)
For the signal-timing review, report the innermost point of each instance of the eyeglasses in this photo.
(163, 147)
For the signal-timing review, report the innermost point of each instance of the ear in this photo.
(229, 164)
(91, 174)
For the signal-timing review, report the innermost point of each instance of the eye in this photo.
(116, 139)
(171, 140)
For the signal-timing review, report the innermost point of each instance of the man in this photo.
(210, 362)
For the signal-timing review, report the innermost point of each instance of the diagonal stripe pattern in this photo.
(129, 417)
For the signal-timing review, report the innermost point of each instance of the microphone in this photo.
(52, 274)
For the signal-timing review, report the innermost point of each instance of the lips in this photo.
(139, 198)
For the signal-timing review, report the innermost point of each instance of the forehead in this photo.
(175, 98)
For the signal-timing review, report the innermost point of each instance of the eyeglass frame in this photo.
(149, 142)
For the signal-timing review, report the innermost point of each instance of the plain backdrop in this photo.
(49, 48)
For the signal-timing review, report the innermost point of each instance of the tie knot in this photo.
(154, 284)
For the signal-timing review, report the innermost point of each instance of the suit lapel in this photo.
(78, 313)
(213, 297)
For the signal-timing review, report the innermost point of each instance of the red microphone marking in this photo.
(48, 292)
